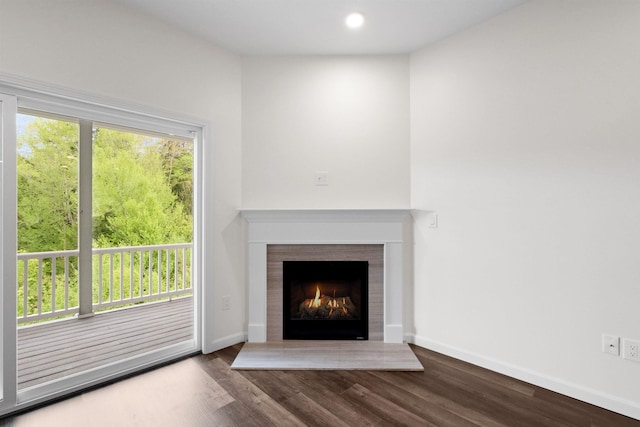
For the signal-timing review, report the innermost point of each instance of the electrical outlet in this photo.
(631, 349)
(226, 302)
(322, 179)
(611, 344)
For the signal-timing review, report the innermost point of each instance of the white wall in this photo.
(525, 138)
(106, 49)
(348, 116)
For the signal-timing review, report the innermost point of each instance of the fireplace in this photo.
(325, 300)
(376, 236)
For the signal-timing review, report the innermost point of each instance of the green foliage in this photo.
(133, 201)
(142, 195)
(48, 187)
(177, 163)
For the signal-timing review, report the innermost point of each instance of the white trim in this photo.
(594, 397)
(257, 292)
(227, 341)
(324, 215)
(38, 96)
(8, 251)
(197, 251)
(257, 332)
(393, 333)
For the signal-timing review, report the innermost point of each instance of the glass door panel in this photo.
(47, 264)
(120, 287)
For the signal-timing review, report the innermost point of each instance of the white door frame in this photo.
(8, 251)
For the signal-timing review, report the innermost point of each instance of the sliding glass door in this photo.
(105, 229)
(99, 249)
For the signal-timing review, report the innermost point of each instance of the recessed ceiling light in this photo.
(354, 20)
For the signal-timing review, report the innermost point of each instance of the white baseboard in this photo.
(225, 342)
(594, 397)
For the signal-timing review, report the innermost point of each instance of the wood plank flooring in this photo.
(205, 391)
(327, 355)
(52, 350)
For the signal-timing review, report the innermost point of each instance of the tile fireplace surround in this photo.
(317, 229)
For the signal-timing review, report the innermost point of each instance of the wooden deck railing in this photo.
(48, 281)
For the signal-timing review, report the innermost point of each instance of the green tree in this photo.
(48, 186)
(177, 162)
(133, 202)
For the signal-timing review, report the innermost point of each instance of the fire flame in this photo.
(315, 302)
(333, 304)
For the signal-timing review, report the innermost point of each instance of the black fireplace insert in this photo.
(325, 300)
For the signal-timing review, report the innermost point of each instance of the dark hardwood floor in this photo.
(204, 391)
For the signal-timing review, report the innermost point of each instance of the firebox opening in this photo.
(325, 300)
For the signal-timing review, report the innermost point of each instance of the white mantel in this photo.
(331, 226)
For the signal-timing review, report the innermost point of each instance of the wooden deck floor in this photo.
(56, 349)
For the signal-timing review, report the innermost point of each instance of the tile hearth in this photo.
(327, 355)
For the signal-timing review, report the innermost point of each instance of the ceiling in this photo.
(316, 27)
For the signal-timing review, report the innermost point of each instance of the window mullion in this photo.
(85, 223)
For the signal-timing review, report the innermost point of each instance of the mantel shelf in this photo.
(324, 215)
